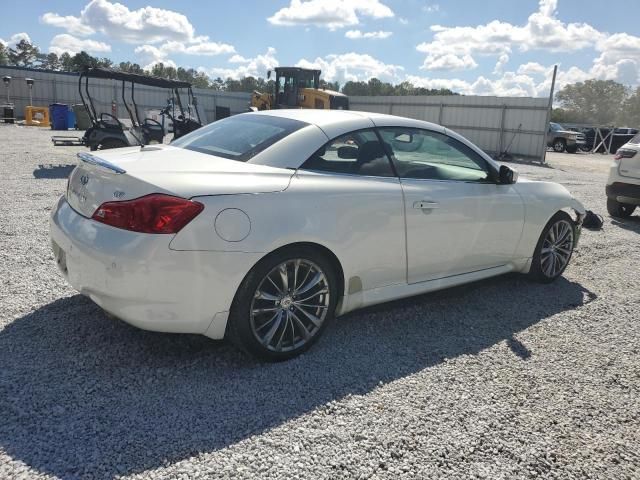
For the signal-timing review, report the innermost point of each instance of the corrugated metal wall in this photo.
(489, 122)
(53, 87)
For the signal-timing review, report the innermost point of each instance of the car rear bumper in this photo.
(137, 278)
(624, 193)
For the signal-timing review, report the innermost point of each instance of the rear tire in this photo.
(554, 249)
(619, 210)
(275, 322)
(559, 145)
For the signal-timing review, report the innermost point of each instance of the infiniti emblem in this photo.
(84, 179)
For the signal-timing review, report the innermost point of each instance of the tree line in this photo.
(26, 54)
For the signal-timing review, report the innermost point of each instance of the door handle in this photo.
(426, 205)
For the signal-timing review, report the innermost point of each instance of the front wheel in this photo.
(620, 210)
(572, 149)
(554, 248)
(559, 145)
(284, 304)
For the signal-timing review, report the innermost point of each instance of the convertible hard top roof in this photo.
(107, 73)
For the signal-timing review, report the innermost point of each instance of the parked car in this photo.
(623, 184)
(263, 226)
(562, 139)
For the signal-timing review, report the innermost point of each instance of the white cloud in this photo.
(330, 14)
(619, 59)
(433, 8)
(353, 66)
(70, 23)
(532, 68)
(449, 61)
(68, 43)
(403, 21)
(357, 34)
(255, 67)
(146, 25)
(543, 30)
(502, 61)
(15, 39)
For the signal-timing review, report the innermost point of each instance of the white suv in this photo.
(623, 185)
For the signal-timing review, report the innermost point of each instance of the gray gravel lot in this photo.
(500, 379)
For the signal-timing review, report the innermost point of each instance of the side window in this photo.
(356, 153)
(430, 155)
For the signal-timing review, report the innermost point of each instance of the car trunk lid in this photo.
(128, 173)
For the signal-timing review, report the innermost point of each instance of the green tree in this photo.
(593, 101)
(24, 55)
(4, 55)
(66, 62)
(630, 112)
(51, 62)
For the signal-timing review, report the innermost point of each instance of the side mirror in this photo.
(507, 175)
(348, 152)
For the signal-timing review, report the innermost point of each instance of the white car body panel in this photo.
(386, 248)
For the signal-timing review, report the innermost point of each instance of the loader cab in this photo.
(290, 81)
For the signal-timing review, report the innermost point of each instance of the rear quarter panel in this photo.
(360, 219)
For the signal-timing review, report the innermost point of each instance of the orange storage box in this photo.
(37, 116)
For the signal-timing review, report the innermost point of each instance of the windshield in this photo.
(240, 137)
(635, 139)
(556, 127)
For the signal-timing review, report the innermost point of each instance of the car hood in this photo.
(189, 174)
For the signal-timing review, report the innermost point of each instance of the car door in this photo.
(357, 208)
(458, 220)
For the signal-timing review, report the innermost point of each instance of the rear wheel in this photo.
(620, 210)
(284, 304)
(559, 145)
(554, 248)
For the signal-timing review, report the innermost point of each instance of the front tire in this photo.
(572, 149)
(283, 304)
(554, 248)
(559, 145)
(619, 210)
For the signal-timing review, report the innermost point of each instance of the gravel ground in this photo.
(498, 379)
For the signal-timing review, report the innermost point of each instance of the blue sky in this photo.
(502, 47)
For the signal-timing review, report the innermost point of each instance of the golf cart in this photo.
(108, 132)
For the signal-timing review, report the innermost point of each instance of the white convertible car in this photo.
(263, 226)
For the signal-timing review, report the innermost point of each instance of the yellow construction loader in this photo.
(298, 88)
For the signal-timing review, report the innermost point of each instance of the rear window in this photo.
(240, 137)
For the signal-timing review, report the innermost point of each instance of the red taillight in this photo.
(155, 213)
(624, 153)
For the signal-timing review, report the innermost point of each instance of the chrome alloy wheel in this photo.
(290, 305)
(556, 248)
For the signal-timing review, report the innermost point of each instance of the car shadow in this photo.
(85, 395)
(53, 171)
(632, 223)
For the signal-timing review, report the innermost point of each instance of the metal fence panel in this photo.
(495, 124)
(58, 87)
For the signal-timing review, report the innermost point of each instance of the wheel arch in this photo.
(323, 250)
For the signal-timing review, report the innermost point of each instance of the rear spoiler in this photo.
(93, 160)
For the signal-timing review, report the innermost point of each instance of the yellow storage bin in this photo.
(37, 116)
